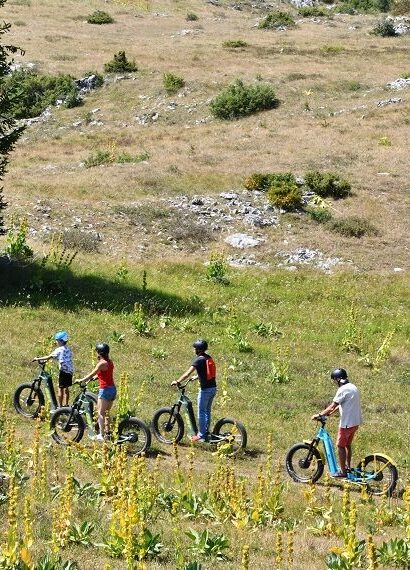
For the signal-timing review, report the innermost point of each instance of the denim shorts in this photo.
(107, 393)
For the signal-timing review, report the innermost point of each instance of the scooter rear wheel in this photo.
(231, 432)
(384, 473)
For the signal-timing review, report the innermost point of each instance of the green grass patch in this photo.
(234, 44)
(353, 226)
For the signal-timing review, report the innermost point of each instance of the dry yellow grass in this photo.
(328, 76)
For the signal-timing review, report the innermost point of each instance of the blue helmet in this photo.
(61, 335)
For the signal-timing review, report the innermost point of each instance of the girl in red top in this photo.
(107, 393)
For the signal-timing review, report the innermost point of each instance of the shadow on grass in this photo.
(35, 285)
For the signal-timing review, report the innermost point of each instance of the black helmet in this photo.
(102, 348)
(338, 374)
(200, 344)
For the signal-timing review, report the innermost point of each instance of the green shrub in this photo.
(172, 83)
(98, 158)
(72, 99)
(16, 244)
(120, 64)
(234, 44)
(262, 182)
(257, 181)
(217, 270)
(100, 17)
(353, 226)
(240, 100)
(319, 215)
(191, 17)
(276, 20)
(327, 184)
(313, 12)
(385, 28)
(34, 92)
(285, 194)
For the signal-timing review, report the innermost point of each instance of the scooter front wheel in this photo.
(304, 463)
(168, 426)
(67, 426)
(28, 400)
(135, 435)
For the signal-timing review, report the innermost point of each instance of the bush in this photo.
(257, 181)
(285, 194)
(98, 158)
(327, 184)
(276, 20)
(191, 17)
(262, 182)
(313, 12)
(120, 64)
(33, 92)
(234, 44)
(240, 100)
(100, 17)
(353, 226)
(385, 28)
(172, 83)
(319, 215)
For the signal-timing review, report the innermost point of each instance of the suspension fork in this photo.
(313, 444)
(51, 392)
(74, 409)
(175, 410)
(35, 387)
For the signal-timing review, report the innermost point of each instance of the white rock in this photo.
(242, 241)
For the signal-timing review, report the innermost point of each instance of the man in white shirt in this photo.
(347, 400)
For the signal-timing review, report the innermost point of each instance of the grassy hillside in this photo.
(329, 75)
(274, 337)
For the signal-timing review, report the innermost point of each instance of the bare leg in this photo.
(349, 456)
(104, 406)
(66, 396)
(60, 396)
(342, 458)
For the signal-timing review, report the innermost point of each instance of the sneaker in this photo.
(197, 438)
(98, 437)
(339, 475)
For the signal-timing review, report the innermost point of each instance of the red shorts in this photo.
(345, 436)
